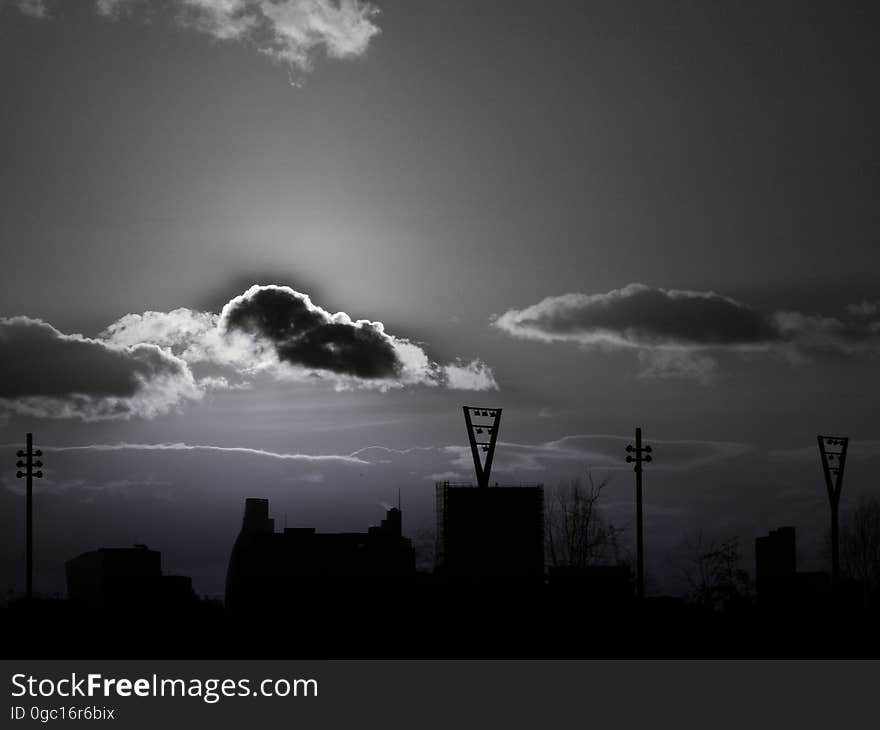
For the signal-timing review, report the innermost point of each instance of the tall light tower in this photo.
(29, 464)
(482, 424)
(832, 450)
(639, 454)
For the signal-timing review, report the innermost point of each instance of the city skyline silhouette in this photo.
(495, 545)
(269, 249)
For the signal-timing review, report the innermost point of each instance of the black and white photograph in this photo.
(427, 331)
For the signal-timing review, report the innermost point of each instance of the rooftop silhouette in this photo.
(269, 569)
(126, 579)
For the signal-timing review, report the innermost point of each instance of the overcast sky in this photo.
(276, 230)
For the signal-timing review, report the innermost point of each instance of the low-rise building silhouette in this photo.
(125, 578)
(300, 565)
(778, 582)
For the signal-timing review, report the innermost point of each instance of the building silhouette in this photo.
(488, 533)
(775, 566)
(300, 566)
(125, 578)
(781, 586)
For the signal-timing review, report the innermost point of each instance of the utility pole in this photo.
(832, 450)
(642, 455)
(29, 464)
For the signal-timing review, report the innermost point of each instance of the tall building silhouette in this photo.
(775, 558)
(490, 532)
(776, 567)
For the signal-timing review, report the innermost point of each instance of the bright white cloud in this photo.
(343, 29)
(475, 375)
(225, 20)
(290, 31)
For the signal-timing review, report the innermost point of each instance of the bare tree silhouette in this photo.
(713, 571)
(575, 531)
(860, 546)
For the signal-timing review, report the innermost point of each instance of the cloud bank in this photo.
(639, 316)
(48, 374)
(149, 364)
(279, 332)
(676, 331)
(288, 31)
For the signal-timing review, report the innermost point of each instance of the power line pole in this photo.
(642, 455)
(29, 464)
(832, 450)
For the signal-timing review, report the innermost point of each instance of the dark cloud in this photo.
(642, 316)
(44, 372)
(360, 350)
(672, 330)
(38, 360)
(307, 336)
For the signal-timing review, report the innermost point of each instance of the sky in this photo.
(270, 248)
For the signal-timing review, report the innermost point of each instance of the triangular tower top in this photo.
(832, 449)
(482, 427)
